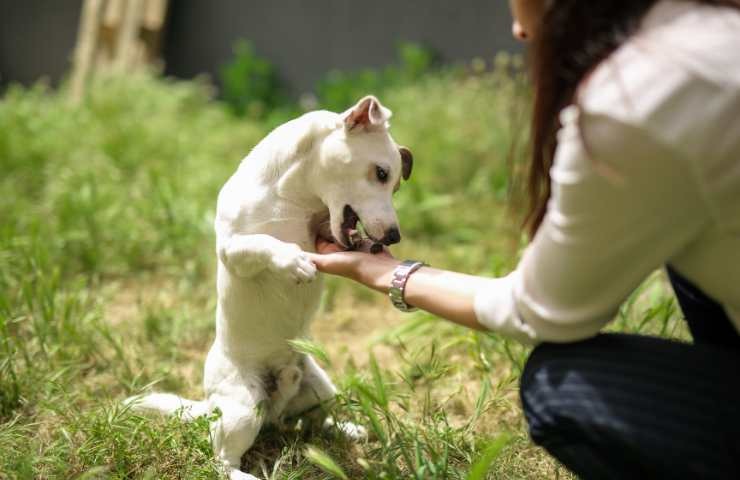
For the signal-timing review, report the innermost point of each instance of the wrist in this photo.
(378, 274)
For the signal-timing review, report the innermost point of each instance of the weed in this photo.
(107, 287)
(250, 84)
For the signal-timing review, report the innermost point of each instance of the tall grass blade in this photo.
(324, 461)
(308, 347)
(491, 452)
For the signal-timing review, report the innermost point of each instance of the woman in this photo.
(636, 164)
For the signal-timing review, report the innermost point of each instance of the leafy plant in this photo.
(340, 89)
(107, 286)
(249, 83)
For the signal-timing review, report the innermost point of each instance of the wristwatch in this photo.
(398, 283)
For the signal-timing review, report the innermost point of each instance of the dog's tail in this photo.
(167, 404)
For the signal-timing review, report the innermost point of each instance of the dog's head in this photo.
(360, 169)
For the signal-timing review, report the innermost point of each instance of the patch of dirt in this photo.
(126, 298)
(347, 330)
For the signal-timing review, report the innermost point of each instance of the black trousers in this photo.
(629, 406)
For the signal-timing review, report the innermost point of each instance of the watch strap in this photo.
(398, 283)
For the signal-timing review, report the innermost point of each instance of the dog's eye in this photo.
(382, 174)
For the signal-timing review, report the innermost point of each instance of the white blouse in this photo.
(647, 172)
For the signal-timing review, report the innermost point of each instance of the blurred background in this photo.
(303, 39)
(119, 122)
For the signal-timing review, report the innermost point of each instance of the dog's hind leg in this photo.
(317, 388)
(288, 384)
(234, 432)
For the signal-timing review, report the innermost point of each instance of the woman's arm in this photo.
(449, 295)
(615, 215)
(629, 193)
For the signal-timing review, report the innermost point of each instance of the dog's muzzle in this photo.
(352, 236)
(392, 236)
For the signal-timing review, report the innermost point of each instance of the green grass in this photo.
(107, 287)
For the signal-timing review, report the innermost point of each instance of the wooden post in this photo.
(128, 35)
(85, 51)
(109, 31)
(120, 35)
(152, 29)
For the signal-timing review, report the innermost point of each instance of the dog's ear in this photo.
(407, 162)
(367, 114)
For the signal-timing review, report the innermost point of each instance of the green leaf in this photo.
(491, 452)
(324, 462)
(381, 394)
(308, 347)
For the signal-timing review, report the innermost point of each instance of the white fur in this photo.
(268, 214)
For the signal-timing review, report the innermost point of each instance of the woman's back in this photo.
(679, 80)
(647, 173)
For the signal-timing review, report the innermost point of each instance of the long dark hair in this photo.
(573, 38)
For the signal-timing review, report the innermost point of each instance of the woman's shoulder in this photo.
(674, 87)
(703, 39)
(677, 78)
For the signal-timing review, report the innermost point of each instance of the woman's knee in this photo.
(559, 385)
(535, 392)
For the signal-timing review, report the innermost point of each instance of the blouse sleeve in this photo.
(619, 209)
(644, 168)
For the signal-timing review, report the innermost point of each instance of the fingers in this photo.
(325, 246)
(325, 262)
(337, 263)
(375, 249)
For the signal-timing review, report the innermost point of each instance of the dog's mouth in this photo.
(354, 234)
(351, 235)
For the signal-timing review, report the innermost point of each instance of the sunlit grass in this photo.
(106, 287)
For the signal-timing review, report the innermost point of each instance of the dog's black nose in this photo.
(392, 235)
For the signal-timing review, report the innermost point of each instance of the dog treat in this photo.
(376, 248)
(355, 238)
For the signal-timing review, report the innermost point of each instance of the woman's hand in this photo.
(373, 270)
(449, 295)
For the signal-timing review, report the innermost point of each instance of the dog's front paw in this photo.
(293, 263)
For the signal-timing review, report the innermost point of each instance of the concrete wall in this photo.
(37, 38)
(303, 38)
(306, 38)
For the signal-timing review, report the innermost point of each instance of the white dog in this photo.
(319, 174)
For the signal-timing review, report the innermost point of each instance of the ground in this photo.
(107, 289)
